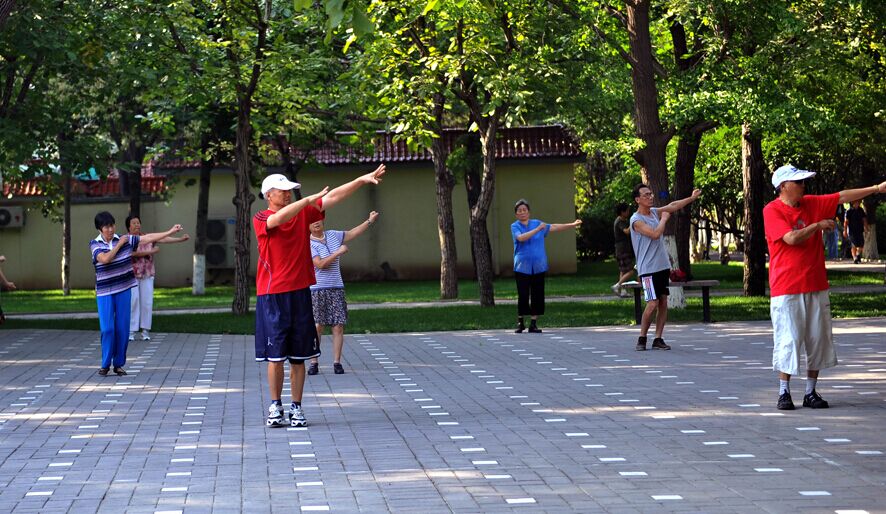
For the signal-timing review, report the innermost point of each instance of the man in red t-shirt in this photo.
(800, 307)
(284, 317)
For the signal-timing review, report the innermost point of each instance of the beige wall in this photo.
(405, 235)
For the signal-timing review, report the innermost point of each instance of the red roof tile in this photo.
(82, 188)
(512, 143)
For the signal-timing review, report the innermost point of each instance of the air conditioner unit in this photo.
(220, 243)
(12, 217)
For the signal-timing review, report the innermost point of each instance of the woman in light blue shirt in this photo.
(531, 263)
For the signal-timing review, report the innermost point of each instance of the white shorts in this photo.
(802, 321)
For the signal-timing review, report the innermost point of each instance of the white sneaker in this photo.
(132, 336)
(616, 289)
(275, 416)
(297, 417)
(146, 336)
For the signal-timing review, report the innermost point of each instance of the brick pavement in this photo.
(571, 420)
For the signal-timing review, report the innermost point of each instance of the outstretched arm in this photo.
(676, 205)
(851, 195)
(156, 236)
(359, 229)
(345, 190)
(559, 227)
(167, 240)
(287, 213)
(6, 283)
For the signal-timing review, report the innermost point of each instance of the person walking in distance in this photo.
(624, 252)
(854, 225)
(284, 317)
(800, 306)
(653, 264)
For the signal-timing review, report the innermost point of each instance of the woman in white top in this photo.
(328, 294)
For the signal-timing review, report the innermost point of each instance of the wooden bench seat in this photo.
(704, 285)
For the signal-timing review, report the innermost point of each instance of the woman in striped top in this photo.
(112, 258)
(328, 294)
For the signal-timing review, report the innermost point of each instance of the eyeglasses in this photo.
(646, 195)
(799, 182)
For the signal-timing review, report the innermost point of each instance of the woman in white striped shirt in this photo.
(328, 294)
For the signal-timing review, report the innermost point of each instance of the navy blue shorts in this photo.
(284, 327)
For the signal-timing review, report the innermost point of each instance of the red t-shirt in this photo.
(284, 252)
(795, 269)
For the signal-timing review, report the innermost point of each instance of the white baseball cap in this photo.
(789, 172)
(278, 181)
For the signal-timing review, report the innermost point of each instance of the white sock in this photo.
(784, 386)
(810, 384)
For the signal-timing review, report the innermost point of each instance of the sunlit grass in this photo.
(591, 279)
(568, 314)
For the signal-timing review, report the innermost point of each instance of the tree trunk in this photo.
(198, 282)
(135, 189)
(647, 122)
(870, 204)
(684, 178)
(479, 230)
(66, 231)
(753, 173)
(242, 200)
(445, 182)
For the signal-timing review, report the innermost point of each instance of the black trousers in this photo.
(530, 294)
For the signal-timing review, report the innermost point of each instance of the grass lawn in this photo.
(591, 279)
(572, 314)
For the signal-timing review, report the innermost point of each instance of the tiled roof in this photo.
(82, 188)
(512, 143)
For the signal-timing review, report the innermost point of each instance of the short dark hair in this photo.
(620, 208)
(637, 189)
(521, 202)
(103, 219)
(130, 218)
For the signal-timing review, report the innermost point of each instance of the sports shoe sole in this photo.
(274, 423)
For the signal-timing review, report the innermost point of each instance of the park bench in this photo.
(704, 285)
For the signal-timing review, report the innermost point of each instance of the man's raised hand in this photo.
(312, 200)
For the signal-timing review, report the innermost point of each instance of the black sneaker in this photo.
(275, 416)
(814, 401)
(313, 369)
(659, 344)
(520, 328)
(857, 260)
(338, 368)
(534, 329)
(641, 344)
(785, 402)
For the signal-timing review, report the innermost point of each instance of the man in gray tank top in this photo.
(653, 265)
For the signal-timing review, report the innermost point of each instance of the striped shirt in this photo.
(116, 276)
(329, 278)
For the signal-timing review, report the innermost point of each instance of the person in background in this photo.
(142, 295)
(6, 284)
(328, 294)
(624, 252)
(114, 278)
(531, 263)
(854, 226)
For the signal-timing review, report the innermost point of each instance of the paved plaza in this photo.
(571, 420)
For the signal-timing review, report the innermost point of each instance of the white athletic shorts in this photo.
(802, 321)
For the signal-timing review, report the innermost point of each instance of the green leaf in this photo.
(362, 25)
(301, 5)
(431, 6)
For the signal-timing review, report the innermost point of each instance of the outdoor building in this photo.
(535, 163)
